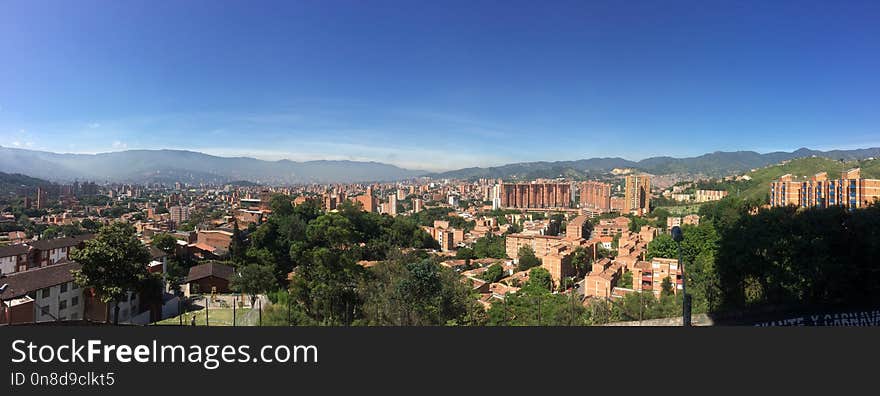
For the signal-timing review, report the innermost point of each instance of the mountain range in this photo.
(719, 163)
(165, 166)
(140, 166)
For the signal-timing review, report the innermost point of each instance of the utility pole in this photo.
(539, 311)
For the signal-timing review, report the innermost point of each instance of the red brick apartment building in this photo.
(648, 276)
(612, 227)
(850, 190)
(535, 195)
(602, 278)
(637, 194)
(577, 228)
(554, 251)
(595, 195)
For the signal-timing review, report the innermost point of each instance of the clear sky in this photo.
(439, 84)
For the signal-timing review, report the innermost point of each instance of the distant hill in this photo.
(715, 164)
(191, 167)
(12, 182)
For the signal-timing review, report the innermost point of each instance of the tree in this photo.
(527, 258)
(635, 306)
(666, 287)
(331, 230)
(539, 278)
(794, 256)
(636, 223)
(114, 263)
(490, 246)
(626, 280)
(253, 279)
(407, 290)
(663, 246)
(465, 253)
(325, 284)
(51, 232)
(237, 245)
(557, 224)
(662, 215)
(534, 304)
(165, 242)
(580, 260)
(493, 274)
(281, 205)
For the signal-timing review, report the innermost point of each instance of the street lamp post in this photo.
(678, 236)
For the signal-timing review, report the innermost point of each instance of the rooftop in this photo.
(209, 269)
(24, 282)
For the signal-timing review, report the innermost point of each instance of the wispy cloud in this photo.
(20, 138)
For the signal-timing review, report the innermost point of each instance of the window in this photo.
(44, 310)
(74, 301)
(46, 292)
(73, 286)
(64, 287)
(62, 304)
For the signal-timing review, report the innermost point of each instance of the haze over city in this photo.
(439, 86)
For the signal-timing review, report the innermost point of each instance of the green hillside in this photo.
(11, 182)
(758, 187)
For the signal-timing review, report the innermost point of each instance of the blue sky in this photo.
(439, 85)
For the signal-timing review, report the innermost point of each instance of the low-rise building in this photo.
(709, 195)
(208, 278)
(649, 276)
(612, 227)
(578, 227)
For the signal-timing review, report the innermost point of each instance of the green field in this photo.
(681, 210)
(216, 317)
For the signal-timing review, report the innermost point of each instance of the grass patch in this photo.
(682, 210)
(215, 317)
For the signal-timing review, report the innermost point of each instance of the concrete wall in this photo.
(696, 320)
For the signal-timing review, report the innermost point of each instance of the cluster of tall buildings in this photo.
(850, 190)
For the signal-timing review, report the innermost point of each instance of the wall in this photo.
(53, 301)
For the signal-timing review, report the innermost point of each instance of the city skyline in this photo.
(438, 87)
